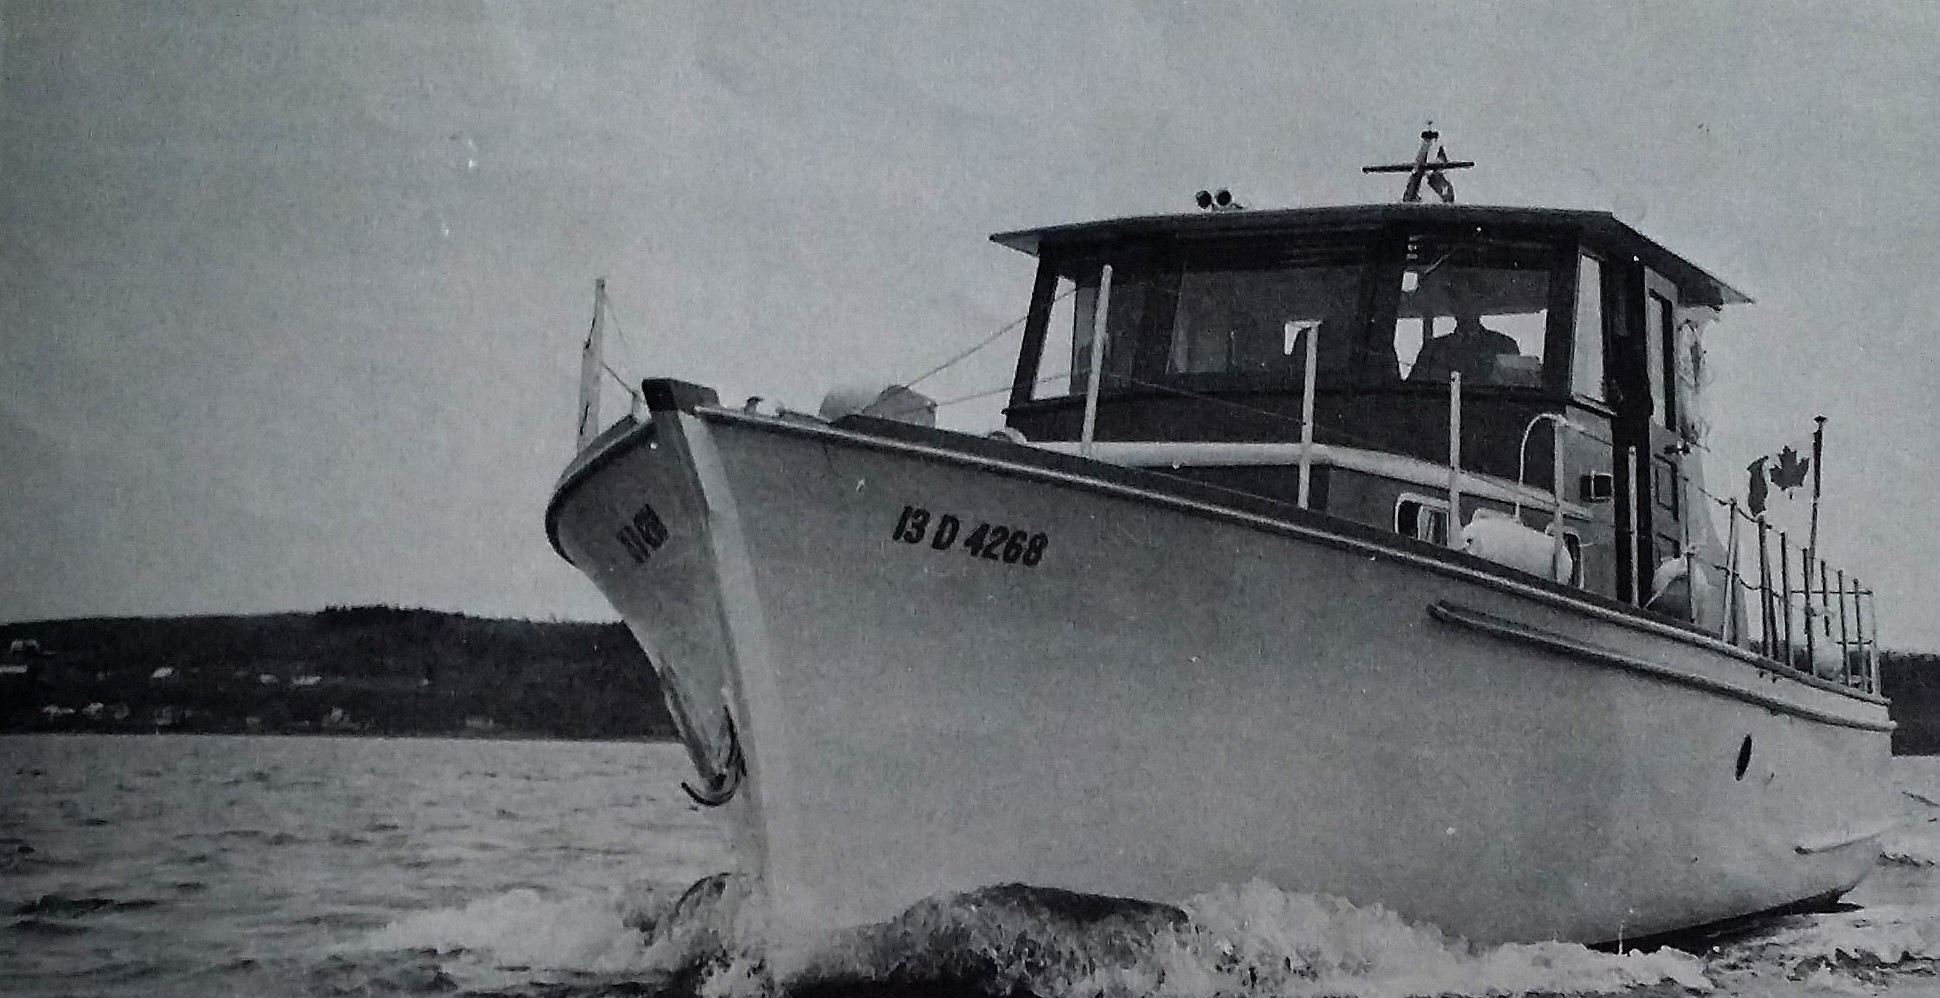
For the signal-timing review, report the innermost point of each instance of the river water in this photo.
(176, 865)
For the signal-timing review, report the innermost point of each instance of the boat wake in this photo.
(1251, 940)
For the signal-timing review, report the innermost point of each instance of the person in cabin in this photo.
(1470, 348)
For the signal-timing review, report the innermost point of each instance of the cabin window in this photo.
(1060, 343)
(1066, 366)
(1586, 356)
(1657, 330)
(1473, 305)
(1422, 518)
(1249, 313)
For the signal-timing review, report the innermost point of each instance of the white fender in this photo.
(1504, 540)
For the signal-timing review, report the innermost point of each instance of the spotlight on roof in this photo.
(1219, 200)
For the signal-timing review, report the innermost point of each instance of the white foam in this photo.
(1886, 933)
(1259, 940)
(521, 928)
(1254, 940)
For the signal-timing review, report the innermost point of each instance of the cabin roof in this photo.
(1600, 227)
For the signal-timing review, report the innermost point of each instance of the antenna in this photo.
(1424, 168)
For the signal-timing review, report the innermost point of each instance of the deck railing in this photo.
(1793, 607)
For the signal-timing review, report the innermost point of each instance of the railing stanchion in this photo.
(1845, 649)
(1767, 616)
(1455, 459)
(1730, 629)
(1785, 584)
(1872, 641)
(1307, 415)
(1825, 616)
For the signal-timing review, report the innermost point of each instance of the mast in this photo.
(1424, 168)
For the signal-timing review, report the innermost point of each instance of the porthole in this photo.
(1744, 756)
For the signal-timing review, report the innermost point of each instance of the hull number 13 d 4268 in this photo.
(991, 542)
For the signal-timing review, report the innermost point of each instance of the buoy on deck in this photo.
(1671, 589)
(1501, 538)
(897, 402)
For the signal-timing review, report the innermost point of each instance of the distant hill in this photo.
(370, 669)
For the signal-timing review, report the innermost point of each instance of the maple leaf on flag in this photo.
(1789, 472)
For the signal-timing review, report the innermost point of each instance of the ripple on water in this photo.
(46, 927)
(62, 906)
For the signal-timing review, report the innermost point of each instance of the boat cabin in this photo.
(1418, 318)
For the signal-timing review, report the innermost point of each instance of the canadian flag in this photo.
(1785, 469)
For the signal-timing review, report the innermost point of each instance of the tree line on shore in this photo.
(349, 669)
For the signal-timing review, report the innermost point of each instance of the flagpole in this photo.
(1818, 455)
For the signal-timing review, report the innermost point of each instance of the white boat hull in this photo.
(1176, 697)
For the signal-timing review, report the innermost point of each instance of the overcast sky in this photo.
(291, 294)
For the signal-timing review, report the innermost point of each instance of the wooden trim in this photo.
(1523, 634)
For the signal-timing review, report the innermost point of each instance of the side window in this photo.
(1657, 331)
(1054, 376)
(1130, 289)
(1422, 518)
(1586, 360)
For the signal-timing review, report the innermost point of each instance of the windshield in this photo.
(1480, 307)
(1251, 314)
(1239, 314)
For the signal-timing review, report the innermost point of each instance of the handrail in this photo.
(1847, 654)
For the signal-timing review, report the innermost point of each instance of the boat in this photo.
(1365, 550)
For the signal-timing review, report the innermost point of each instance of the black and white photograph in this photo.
(1175, 498)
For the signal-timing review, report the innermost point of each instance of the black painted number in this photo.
(642, 534)
(991, 542)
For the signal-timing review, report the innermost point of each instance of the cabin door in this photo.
(1645, 399)
(1667, 515)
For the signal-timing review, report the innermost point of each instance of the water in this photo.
(298, 867)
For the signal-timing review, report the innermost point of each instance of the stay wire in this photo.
(986, 341)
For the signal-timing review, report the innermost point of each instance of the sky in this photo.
(291, 293)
